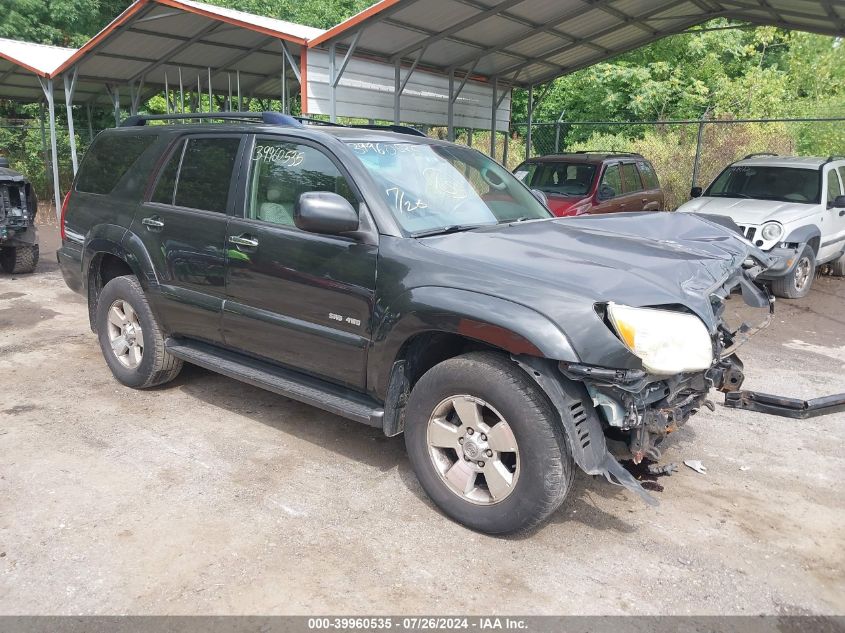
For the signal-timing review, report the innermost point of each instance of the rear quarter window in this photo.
(108, 161)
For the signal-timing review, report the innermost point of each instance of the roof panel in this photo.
(538, 44)
(38, 58)
(590, 22)
(491, 31)
(448, 12)
(543, 11)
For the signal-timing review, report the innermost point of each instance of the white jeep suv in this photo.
(792, 208)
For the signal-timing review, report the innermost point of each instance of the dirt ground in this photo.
(210, 496)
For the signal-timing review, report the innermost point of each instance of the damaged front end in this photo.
(638, 407)
(18, 207)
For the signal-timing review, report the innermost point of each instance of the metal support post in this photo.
(494, 111)
(70, 89)
(47, 87)
(530, 121)
(450, 117)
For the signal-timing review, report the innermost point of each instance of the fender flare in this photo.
(111, 239)
(803, 234)
(512, 327)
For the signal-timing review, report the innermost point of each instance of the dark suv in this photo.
(409, 284)
(18, 234)
(594, 182)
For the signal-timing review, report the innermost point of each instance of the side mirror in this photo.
(542, 197)
(838, 202)
(324, 212)
(696, 192)
(606, 192)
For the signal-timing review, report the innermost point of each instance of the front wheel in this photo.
(486, 445)
(797, 284)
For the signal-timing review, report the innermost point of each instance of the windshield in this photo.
(438, 187)
(785, 184)
(561, 179)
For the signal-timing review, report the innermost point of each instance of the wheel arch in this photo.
(429, 325)
(808, 234)
(109, 251)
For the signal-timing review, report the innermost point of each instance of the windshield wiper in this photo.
(445, 230)
(729, 195)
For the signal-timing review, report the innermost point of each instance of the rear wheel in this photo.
(130, 337)
(486, 445)
(18, 260)
(797, 284)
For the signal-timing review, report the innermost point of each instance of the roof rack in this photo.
(269, 118)
(604, 151)
(756, 154)
(272, 118)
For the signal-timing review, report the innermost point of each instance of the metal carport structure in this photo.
(530, 42)
(26, 74)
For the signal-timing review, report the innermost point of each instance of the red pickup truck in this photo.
(593, 182)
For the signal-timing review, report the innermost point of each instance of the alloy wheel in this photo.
(125, 334)
(473, 449)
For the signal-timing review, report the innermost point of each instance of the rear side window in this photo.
(166, 185)
(834, 189)
(631, 178)
(649, 177)
(611, 182)
(205, 174)
(109, 159)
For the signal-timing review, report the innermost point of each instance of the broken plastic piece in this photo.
(696, 465)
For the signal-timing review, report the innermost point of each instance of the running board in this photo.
(285, 382)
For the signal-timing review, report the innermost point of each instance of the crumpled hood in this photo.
(749, 211)
(638, 259)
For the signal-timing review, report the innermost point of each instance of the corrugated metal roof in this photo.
(38, 58)
(544, 39)
(152, 40)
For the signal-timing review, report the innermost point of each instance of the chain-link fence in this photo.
(685, 153)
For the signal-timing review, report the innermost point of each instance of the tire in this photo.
(148, 366)
(540, 471)
(837, 267)
(797, 284)
(19, 260)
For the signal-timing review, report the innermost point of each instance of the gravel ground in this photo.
(210, 496)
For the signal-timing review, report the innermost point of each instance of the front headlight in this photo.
(771, 231)
(667, 342)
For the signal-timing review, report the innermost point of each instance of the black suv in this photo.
(409, 284)
(18, 235)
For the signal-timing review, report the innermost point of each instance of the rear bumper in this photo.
(69, 257)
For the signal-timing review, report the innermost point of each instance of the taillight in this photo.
(62, 220)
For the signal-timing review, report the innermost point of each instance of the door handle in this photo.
(841, 213)
(243, 240)
(153, 222)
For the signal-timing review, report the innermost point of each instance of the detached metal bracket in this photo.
(785, 407)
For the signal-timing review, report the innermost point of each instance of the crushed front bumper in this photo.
(785, 407)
